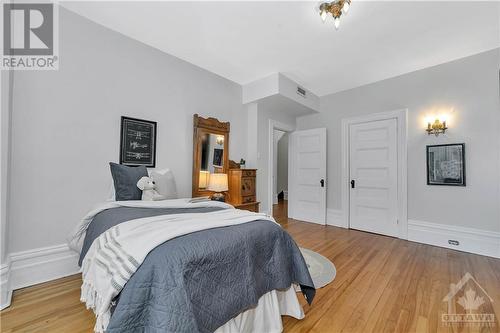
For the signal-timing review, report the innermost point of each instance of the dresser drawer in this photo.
(248, 173)
(249, 199)
(253, 207)
(247, 186)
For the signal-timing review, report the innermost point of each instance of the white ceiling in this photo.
(245, 41)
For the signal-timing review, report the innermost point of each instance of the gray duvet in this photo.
(198, 282)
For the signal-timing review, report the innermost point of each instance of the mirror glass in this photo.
(212, 157)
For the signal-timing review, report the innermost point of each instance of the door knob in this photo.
(322, 182)
(353, 183)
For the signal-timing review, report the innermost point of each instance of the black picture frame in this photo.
(455, 159)
(137, 142)
(218, 154)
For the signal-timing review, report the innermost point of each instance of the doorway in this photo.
(374, 194)
(280, 174)
(279, 134)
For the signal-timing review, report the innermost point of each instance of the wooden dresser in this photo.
(242, 189)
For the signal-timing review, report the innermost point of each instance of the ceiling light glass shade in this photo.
(337, 22)
(335, 8)
(346, 7)
(323, 15)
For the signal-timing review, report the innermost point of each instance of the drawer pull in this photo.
(248, 199)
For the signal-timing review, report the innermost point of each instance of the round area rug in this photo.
(321, 269)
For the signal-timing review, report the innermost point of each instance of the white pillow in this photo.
(165, 184)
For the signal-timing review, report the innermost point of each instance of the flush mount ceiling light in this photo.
(335, 9)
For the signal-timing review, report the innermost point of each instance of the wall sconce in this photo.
(219, 140)
(436, 128)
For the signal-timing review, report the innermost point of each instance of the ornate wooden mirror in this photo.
(210, 152)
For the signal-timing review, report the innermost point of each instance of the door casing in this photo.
(292, 165)
(401, 118)
(273, 124)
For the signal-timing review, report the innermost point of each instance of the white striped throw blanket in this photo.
(117, 253)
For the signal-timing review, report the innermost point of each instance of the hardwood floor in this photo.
(383, 284)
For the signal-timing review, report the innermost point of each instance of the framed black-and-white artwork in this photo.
(138, 142)
(218, 153)
(446, 164)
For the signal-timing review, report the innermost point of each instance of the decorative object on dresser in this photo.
(234, 165)
(242, 189)
(138, 142)
(210, 153)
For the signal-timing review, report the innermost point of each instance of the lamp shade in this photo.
(218, 182)
(203, 180)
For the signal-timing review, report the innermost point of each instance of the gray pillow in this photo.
(125, 179)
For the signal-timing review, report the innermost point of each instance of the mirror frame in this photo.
(202, 126)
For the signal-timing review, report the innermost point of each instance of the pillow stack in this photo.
(125, 178)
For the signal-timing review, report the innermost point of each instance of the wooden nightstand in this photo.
(242, 189)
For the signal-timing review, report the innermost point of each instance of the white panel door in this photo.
(373, 173)
(307, 176)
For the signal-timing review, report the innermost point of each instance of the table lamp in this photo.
(203, 180)
(218, 184)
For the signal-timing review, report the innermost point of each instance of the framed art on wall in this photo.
(446, 164)
(218, 157)
(138, 142)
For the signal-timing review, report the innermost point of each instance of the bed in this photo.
(206, 267)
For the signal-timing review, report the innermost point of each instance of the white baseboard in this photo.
(35, 266)
(285, 195)
(335, 217)
(471, 240)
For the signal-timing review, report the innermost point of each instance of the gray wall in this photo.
(467, 89)
(5, 142)
(65, 124)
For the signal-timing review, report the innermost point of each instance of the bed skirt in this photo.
(266, 317)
